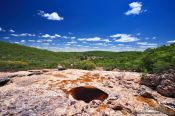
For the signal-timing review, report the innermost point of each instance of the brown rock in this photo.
(167, 88)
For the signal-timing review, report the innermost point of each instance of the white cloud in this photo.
(39, 41)
(142, 48)
(6, 37)
(73, 37)
(52, 16)
(124, 38)
(2, 30)
(48, 40)
(65, 37)
(120, 44)
(56, 35)
(12, 31)
(72, 42)
(154, 37)
(138, 34)
(31, 40)
(136, 8)
(171, 41)
(23, 35)
(99, 44)
(23, 41)
(68, 44)
(17, 42)
(50, 36)
(146, 44)
(106, 40)
(90, 39)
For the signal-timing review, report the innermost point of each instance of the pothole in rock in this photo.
(88, 93)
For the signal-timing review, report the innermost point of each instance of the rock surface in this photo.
(49, 92)
(164, 83)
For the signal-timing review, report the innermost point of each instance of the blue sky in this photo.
(86, 25)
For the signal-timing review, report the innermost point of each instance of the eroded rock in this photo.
(76, 92)
(164, 83)
(88, 93)
(167, 88)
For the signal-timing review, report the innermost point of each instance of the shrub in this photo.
(86, 65)
(13, 65)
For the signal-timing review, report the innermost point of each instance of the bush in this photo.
(13, 65)
(86, 65)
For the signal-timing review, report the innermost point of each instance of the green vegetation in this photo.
(16, 57)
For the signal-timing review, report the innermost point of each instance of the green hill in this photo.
(17, 57)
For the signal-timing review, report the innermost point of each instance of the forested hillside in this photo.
(16, 57)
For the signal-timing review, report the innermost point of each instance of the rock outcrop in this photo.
(81, 93)
(164, 83)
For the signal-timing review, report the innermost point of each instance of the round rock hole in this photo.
(88, 93)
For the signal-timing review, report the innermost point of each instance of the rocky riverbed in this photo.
(74, 92)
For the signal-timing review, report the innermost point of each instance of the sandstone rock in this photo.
(164, 83)
(151, 81)
(59, 111)
(118, 106)
(49, 94)
(95, 103)
(167, 88)
(145, 92)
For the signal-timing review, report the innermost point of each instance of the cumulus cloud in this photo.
(23, 35)
(73, 37)
(146, 44)
(65, 37)
(90, 39)
(135, 8)
(50, 36)
(52, 16)
(124, 38)
(106, 40)
(2, 30)
(12, 31)
(31, 40)
(72, 42)
(171, 41)
(23, 41)
(17, 42)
